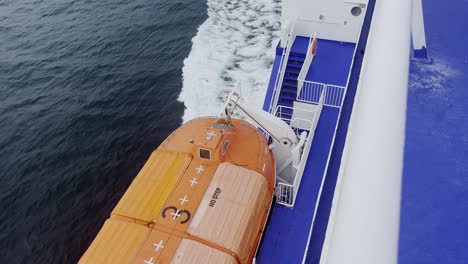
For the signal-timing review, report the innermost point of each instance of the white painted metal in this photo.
(290, 153)
(328, 159)
(364, 222)
(331, 19)
(281, 133)
(286, 191)
(334, 95)
(285, 30)
(277, 87)
(301, 117)
(311, 92)
(307, 61)
(418, 31)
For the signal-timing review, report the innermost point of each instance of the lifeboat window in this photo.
(225, 147)
(205, 154)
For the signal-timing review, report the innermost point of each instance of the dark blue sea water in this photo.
(87, 90)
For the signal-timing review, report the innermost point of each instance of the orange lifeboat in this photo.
(202, 197)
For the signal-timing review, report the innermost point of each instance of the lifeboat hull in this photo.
(202, 197)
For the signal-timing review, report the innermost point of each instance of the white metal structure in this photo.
(417, 29)
(311, 92)
(291, 142)
(308, 61)
(364, 221)
(331, 19)
(302, 119)
(281, 133)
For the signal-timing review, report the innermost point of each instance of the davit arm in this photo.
(281, 133)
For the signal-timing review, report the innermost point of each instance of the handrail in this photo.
(284, 62)
(307, 62)
(305, 153)
(273, 96)
(312, 91)
(287, 193)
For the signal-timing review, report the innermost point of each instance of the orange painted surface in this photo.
(105, 249)
(202, 197)
(147, 194)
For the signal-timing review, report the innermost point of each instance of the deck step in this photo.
(294, 65)
(290, 77)
(287, 97)
(297, 54)
(290, 83)
(296, 58)
(292, 71)
(285, 102)
(289, 90)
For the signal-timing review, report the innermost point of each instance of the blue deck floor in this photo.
(332, 62)
(300, 44)
(287, 235)
(288, 231)
(326, 199)
(434, 211)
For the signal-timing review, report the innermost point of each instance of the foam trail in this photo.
(431, 78)
(235, 44)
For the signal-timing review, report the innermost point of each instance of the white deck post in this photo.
(418, 31)
(364, 222)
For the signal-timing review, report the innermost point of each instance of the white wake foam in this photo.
(431, 78)
(235, 44)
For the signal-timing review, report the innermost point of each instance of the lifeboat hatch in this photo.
(204, 153)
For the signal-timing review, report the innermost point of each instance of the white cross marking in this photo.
(149, 261)
(193, 181)
(175, 215)
(210, 135)
(200, 169)
(159, 246)
(183, 200)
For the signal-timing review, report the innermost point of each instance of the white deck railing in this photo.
(312, 91)
(286, 192)
(315, 93)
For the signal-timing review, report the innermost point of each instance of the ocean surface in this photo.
(88, 89)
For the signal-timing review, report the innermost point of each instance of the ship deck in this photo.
(434, 200)
(288, 232)
(434, 207)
